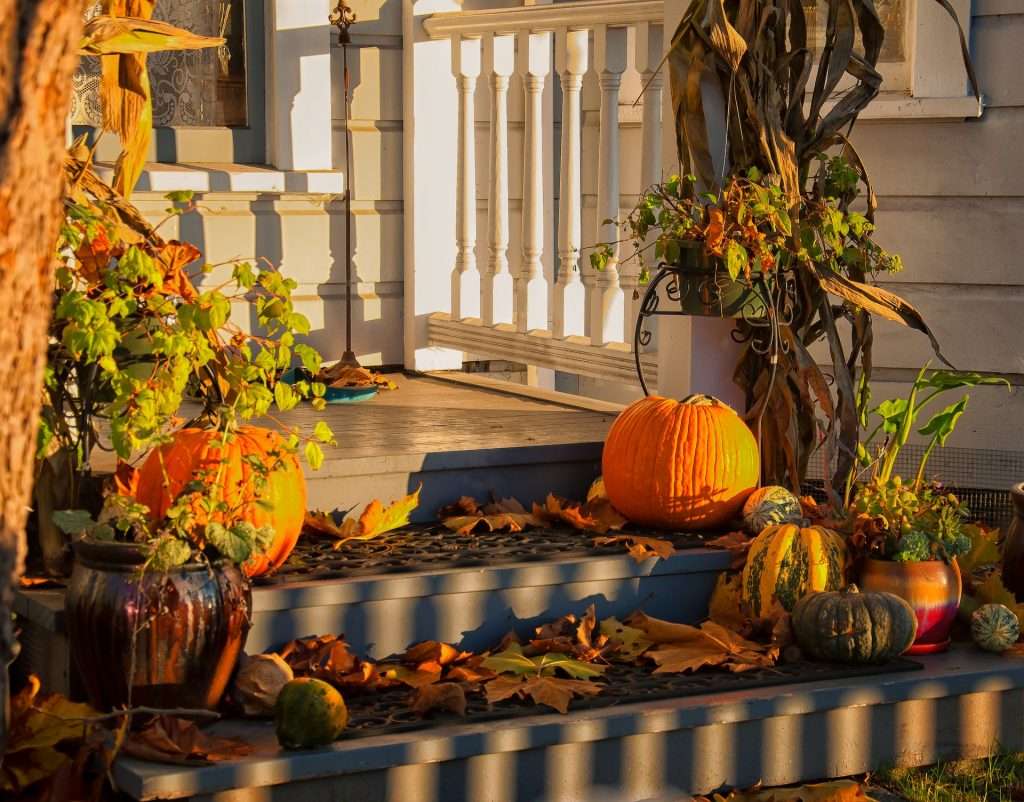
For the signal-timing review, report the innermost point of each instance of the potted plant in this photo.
(908, 534)
(158, 610)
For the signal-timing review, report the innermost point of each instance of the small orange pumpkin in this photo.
(680, 464)
(197, 453)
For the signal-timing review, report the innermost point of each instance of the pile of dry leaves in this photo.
(564, 659)
(339, 375)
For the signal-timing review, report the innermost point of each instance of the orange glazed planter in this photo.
(932, 589)
(196, 453)
(680, 464)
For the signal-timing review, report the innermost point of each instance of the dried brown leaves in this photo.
(681, 647)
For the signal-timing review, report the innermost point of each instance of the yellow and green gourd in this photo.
(994, 627)
(768, 506)
(308, 713)
(789, 561)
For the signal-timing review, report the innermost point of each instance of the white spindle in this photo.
(465, 276)
(531, 289)
(496, 281)
(606, 300)
(648, 56)
(569, 297)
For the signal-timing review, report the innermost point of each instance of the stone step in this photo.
(383, 614)
(961, 704)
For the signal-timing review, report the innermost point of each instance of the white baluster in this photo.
(465, 276)
(606, 300)
(569, 297)
(648, 55)
(496, 281)
(531, 288)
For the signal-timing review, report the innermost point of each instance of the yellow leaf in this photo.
(984, 548)
(724, 606)
(107, 36)
(597, 490)
(376, 519)
(628, 642)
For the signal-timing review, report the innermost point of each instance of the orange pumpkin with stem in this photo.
(680, 464)
(271, 495)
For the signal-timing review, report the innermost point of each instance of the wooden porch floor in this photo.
(428, 415)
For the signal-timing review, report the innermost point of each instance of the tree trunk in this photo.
(38, 54)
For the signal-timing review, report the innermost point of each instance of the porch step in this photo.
(456, 435)
(383, 614)
(962, 704)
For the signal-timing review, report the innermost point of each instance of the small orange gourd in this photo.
(686, 464)
(199, 454)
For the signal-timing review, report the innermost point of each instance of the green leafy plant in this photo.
(914, 521)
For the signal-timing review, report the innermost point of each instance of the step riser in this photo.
(668, 765)
(527, 474)
(479, 620)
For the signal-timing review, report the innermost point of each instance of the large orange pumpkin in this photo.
(680, 464)
(197, 453)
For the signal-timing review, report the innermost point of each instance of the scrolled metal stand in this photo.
(779, 297)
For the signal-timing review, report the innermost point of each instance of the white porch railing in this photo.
(527, 292)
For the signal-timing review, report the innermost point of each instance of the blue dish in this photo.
(333, 395)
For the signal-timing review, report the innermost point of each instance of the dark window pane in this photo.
(190, 87)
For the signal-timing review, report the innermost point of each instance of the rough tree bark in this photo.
(38, 54)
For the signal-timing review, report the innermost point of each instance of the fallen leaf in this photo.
(627, 643)
(435, 652)
(443, 696)
(681, 647)
(640, 548)
(993, 591)
(40, 582)
(167, 739)
(329, 658)
(835, 791)
(596, 490)
(725, 606)
(508, 514)
(339, 375)
(737, 544)
(126, 480)
(375, 520)
(594, 516)
(984, 549)
(413, 677)
(513, 661)
(554, 692)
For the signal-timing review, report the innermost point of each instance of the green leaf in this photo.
(180, 196)
(284, 396)
(511, 661)
(576, 669)
(236, 543)
(314, 455)
(892, 412)
(311, 359)
(73, 522)
(953, 379)
(736, 259)
(168, 553)
(323, 433)
(941, 426)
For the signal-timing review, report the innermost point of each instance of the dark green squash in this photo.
(848, 626)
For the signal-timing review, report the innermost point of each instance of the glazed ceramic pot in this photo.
(705, 289)
(1013, 548)
(932, 589)
(156, 639)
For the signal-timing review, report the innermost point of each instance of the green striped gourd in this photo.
(786, 562)
(768, 506)
(994, 627)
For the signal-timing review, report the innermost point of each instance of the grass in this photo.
(995, 779)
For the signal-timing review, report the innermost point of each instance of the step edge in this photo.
(466, 741)
(43, 611)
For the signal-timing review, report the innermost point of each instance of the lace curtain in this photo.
(190, 87)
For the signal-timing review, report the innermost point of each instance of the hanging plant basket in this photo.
(706, 289)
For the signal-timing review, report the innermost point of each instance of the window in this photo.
(893, 63)
(195, 91)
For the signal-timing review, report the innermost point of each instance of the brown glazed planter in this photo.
(188, 626)
(1013, 547)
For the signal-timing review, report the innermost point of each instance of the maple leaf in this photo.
(167, 739)
(513, 661)
(554, 692)
(681, 647)
(329, 658)
(433, 651)
(375, 520)
(835, 791)
(993, 591)
(724, 606)
(594, 516)
(627, 643)
(737, 544)
(640, 548)
(596, 490)
(506, 514)
(443, 696)
(471, 671)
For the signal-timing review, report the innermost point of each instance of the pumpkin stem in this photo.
(851, 589)
(701, 400)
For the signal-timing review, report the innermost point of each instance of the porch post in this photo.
(299, 84)
(695, 354)
(430, 157)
